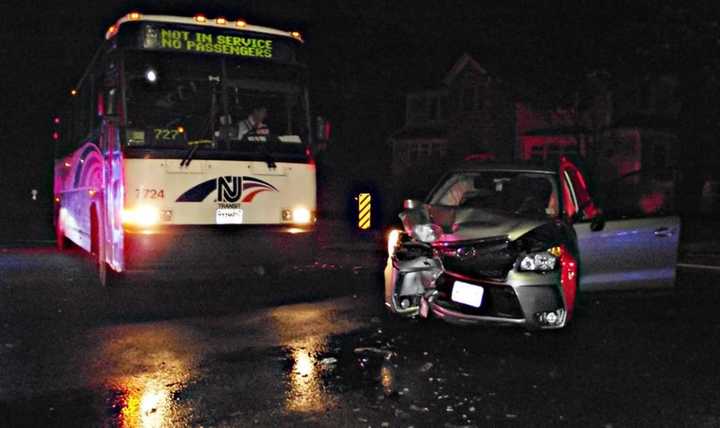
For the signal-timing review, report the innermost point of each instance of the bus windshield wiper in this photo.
(267, 156)
(195, 144)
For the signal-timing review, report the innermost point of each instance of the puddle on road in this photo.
(145, 402)
(145, 373)
(321, 369)
(307, 382)
(371, 375)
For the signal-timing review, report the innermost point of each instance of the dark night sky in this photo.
(364, 56)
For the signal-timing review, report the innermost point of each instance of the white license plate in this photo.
(229, 216)
(468, 294)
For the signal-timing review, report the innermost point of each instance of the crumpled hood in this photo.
(461, 224)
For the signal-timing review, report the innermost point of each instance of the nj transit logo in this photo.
(230, 189)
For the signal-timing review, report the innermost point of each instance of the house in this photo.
(621, 129)
(470, 111)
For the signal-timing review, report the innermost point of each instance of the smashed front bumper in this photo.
(421, 286)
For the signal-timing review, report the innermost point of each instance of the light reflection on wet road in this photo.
(144, 380)
(306, 392)
(184, 352)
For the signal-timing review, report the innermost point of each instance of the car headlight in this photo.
(426, 232)
(392, 241)
(541, 261)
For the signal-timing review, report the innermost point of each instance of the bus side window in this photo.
(109, 87)
(82, 105)
(66, 144)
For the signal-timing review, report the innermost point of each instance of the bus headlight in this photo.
(141, 215)
(298, 215)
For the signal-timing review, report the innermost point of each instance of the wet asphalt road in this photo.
(313, 347)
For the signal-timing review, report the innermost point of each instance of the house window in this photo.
(554, 151)
(537, 153)
(425, 149)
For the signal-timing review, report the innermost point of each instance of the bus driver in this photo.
(254, 124)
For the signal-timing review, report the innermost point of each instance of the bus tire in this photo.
(107, 277)
(61, 241)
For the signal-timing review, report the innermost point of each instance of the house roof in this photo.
(450, 65)
(465, 60)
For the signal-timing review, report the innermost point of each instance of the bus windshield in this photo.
(221, 105)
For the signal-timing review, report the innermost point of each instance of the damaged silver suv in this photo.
(514, 244)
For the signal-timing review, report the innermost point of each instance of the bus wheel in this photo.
(59, 236)
(107, 277)
(61, 241)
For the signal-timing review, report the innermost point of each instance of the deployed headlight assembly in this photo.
(542, 261)
(392, 241)
(426, 232)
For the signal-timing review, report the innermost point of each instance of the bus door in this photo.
(113, 194)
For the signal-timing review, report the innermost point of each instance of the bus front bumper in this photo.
(218, 247)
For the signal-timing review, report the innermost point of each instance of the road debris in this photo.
(328, 361)
(371, 350)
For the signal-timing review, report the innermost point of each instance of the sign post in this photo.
(364, 211)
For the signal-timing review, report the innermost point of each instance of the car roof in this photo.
(546, 168)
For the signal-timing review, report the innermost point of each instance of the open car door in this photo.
(633, 242)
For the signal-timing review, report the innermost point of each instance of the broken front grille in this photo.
(484, 258)
(499, 301)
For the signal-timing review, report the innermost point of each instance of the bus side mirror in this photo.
(112, 119)
(323, 130)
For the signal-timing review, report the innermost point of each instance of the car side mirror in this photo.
(411, 204)
(597, 223)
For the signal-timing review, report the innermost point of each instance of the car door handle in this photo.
(663, 232)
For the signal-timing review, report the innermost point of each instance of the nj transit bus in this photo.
(187, 142)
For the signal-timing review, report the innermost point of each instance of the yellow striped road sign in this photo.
(364, 208)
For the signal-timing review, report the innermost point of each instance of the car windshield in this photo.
(521, 193)
(177, 100)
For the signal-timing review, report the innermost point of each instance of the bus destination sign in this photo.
(187, 40)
